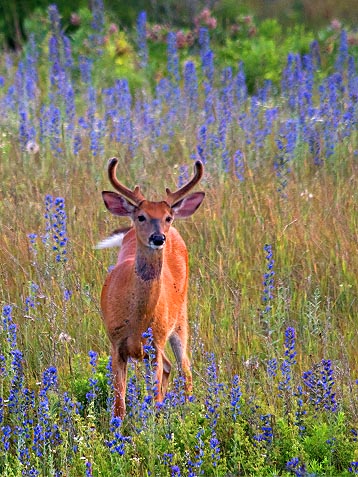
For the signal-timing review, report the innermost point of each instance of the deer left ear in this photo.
(187, 206)
(117, 204)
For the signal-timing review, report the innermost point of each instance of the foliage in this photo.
(272, 251)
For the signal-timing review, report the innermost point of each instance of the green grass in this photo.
(312, 229)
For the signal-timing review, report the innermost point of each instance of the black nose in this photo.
(157, 239)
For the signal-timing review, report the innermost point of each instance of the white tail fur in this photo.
(112, 241)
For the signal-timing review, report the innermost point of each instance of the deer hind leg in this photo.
(178, 342)
(119, 370)
(163, 368)
(167, 366)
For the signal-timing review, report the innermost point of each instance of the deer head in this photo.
(152, 220)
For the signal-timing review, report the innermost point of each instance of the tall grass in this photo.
(273, 262)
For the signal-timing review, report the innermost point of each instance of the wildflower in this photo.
(235, 396)
(68, 410)
(151, 383)
(2, 373)
(336, 24)
(215, 449)
(296, 467)
(54, 129)
(64, 337)
(314, 142)
(24, 124)
(290, 340)
(173, 58)
(54, 18)
(88, 469)
(272, 367)
(239, 165)
(9, 327)
(109, 376)
(204, 41)
(142, 39)
(319, 382)
(342, 56)
(306, 195)
(286, 145)
(208, 66)
(75, 19)
(85, 66)
(315, 54)
(5, 439)
(97, 15)
(70, 109)
(133, 396)
(353, 468)
(268, 281)
(44, 432)
(191, 86)
(240, 87)
(30, 301)
(93, 382)
(292, 79)
(117, 444)
(112, 29)
(300, 412)
(205, 18)
(32, 238)
(98, 25)
(202, 143)
(266, 434)
(284, 386)
(195, 466)
(183, 176)
(175, 471)
(49, 379)
(212, 400)
(55, 216)
(32, 147)
(67, 294)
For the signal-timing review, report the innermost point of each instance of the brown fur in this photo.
(148, 285)
(133, 300)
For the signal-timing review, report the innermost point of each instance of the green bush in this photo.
(264, 53)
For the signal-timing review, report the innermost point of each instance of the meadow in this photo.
(273, 261)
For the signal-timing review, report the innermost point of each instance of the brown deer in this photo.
(148, 286)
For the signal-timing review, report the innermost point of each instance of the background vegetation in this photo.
(272, 111)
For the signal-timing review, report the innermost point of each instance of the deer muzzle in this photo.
(157, 240)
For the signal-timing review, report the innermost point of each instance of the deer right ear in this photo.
(117, 204)
(187, 206)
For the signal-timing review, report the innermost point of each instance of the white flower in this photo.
(32, 147)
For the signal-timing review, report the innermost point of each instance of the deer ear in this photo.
(187, 206)
(117, 204)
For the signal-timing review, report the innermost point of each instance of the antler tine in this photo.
(173, 197)
(134, 195)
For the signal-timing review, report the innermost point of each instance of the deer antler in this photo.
(134, 195)
(173, 197)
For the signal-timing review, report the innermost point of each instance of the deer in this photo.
(148, 286)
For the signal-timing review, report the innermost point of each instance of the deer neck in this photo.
(148, 277)
(148, 265)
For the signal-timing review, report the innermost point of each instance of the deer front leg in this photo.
(159, 375)
(178, 342)
(119, 369)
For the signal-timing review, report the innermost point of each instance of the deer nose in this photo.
(157, 240)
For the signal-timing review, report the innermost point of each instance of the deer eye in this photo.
(169, 219)
(141, 218)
